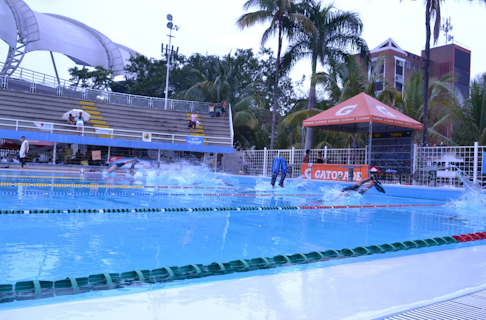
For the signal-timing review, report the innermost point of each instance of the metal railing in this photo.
(38, 78)
(55, 128)
(437, 166)
(35, 82)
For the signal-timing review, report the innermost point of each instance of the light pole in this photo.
(171, 26)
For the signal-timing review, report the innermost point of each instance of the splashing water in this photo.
(473, 196)
(290, 186)
(179, 174)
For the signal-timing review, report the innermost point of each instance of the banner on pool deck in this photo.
(332, 172)
(194, 140)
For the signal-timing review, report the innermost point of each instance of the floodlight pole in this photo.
(168, 52)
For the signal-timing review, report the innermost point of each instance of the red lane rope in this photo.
(373, 206)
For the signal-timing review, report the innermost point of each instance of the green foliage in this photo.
(98, 78)
(147, 76)
(472, 127)
(284, 20)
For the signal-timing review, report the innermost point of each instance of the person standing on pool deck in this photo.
(24, 148)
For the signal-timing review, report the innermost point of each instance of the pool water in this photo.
(55, 246)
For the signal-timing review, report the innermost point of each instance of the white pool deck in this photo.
(362, 290)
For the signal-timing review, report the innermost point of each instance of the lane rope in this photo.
(35, 289)
(128, 210)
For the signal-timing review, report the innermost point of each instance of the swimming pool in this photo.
(56, 246)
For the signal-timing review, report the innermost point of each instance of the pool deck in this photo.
(362, 290)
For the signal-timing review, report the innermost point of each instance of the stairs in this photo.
(46, 108)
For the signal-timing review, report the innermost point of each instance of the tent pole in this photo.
(369, 144)
(354, 148)
(302, 146)
(55, 68)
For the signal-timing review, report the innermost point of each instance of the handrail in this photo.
(30, 79)
(230, 114)
(173, 137)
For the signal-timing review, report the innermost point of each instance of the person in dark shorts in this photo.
(121, 164)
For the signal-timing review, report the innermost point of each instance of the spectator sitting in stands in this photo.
(211, 110)
(218, 111)
(79, 157)
(71, 120)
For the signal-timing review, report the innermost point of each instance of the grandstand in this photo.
(32, 104)
(111, 124)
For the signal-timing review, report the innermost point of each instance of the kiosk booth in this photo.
(390, 138)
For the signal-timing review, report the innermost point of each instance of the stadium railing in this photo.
(56, 128)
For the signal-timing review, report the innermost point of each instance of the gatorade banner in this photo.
(332, 172)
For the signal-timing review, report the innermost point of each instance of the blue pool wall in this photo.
(393, 190)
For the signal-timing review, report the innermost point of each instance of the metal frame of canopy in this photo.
(361, 114)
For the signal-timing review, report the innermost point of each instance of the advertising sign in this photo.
(96, 155)
(147, 137)
(194, 140)
(332, 172)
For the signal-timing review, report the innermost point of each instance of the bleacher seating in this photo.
(46, 108)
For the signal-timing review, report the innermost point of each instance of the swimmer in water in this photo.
(357, 185)
(121, 164)
(370, 182)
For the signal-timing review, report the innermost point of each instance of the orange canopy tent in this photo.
(360, 114)
(355, 115)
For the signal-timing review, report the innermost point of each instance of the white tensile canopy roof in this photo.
(20, 26)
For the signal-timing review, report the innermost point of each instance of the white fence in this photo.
(432, 166)
(437, 166)
(259, 162)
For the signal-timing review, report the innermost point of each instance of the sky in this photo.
(209, 26)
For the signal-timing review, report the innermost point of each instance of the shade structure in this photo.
(16, 144)
(355, 114)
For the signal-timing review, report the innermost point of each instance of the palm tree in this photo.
(336, 33)
(283, 19)
(346, 79)
(445, 104)
(215, 83)
(218, 82)
(432, 10)
(473, 127)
